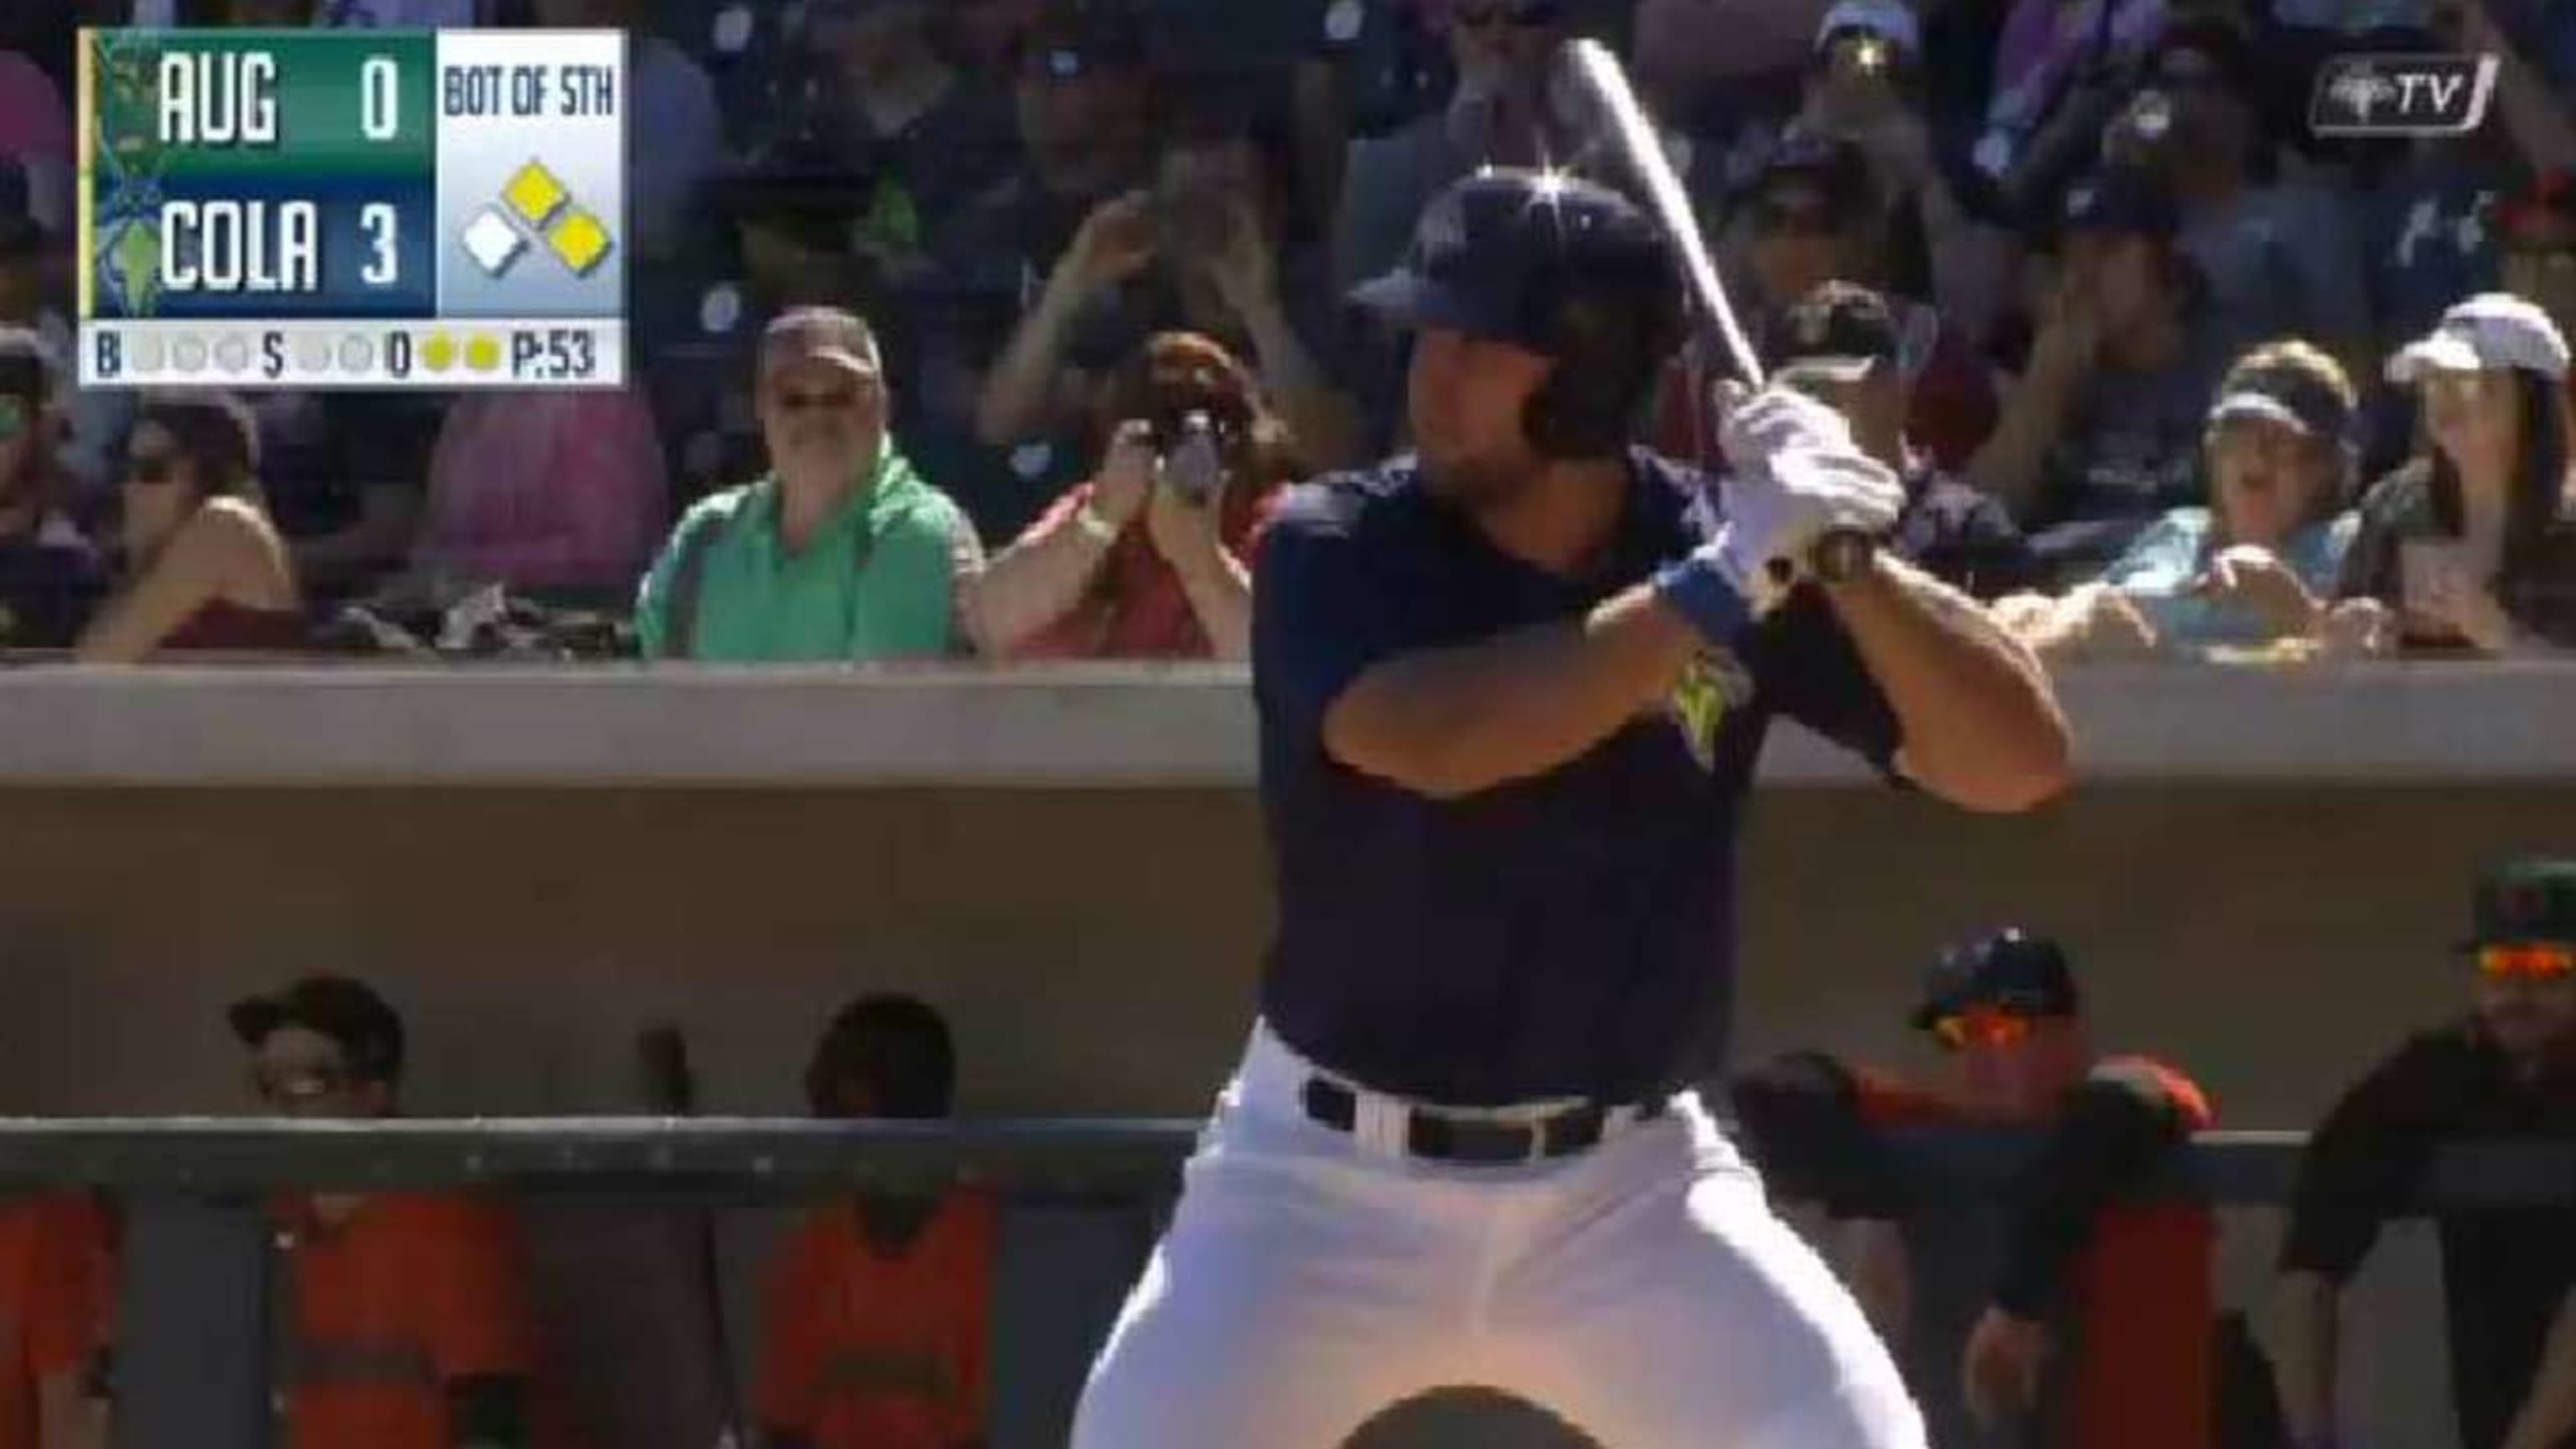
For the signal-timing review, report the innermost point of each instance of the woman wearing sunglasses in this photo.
(2471, 547)
(201, 568)
(50, 577)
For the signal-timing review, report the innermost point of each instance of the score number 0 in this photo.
(380, 119)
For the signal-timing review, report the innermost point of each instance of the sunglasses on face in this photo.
(1982, 1027)
(839, 399)
(152, 468)
(2529, 961)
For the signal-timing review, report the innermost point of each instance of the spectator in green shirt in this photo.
(842, 552)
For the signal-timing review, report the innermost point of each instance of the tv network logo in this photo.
(2402, 95)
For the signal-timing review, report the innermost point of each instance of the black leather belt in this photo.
(1441, 1137)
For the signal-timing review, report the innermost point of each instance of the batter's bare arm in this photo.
(1450, 722)
(1982, 728)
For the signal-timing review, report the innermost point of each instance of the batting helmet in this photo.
(1560, 266)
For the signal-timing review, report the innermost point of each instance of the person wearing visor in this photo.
(2471, 546)
(1511, 688)
(407, 1321)
(2259, 563)
(1842, 345)
(2506, 1069)
(2058, 1317)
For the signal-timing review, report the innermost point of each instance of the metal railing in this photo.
(199, 1266)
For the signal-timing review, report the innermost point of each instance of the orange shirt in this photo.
(864, 1351)
(2141, 1297)
(392, 1306)
(57, 1299)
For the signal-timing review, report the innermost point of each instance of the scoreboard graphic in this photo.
(353, 208)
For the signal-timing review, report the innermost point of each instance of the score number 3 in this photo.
(380, 220)
(380, 118)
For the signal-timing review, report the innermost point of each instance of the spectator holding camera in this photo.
(841, 553)
(2260, 561)
(1211, 248)
(50, 576)
(2063, 1319)
(2278, 256)
(2471, 546)
(1150, 558)
(201, 568)
(878, 1310)
(2100, 433)
(2507, 1069)
(1865, 85)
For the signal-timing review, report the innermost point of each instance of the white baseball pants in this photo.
(1642, 1291)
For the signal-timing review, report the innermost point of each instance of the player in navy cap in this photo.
(1511, 690)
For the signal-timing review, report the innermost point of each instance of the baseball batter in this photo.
(1511, 691)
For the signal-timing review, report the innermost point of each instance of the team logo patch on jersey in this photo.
(1710, 686)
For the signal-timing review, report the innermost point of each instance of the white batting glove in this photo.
(1796, 475)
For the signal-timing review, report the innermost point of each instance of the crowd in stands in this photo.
(2228, 385)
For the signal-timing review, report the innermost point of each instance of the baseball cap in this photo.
(2525, 901)
(1496, 252)
(2492, 329)
(2290, 396)
(1839, 332)
(826, 335)
(2009, 970)
(2120, 199)
(1890, 20)
(347, 1011)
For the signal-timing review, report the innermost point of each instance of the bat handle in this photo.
(1842, 555)
(1839, 557)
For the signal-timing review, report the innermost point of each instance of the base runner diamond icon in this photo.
(492, 242)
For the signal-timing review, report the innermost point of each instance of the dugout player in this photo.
(1511, 691)
(2059, 1319)
(878, 1309)
(405, 1316)
(2505, 1070)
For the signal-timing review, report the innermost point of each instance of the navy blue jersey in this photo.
(1566, 935)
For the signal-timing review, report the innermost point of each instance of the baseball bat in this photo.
(1600, 80)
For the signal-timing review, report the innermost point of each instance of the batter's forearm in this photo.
(1450, 722)
(1981, 724)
